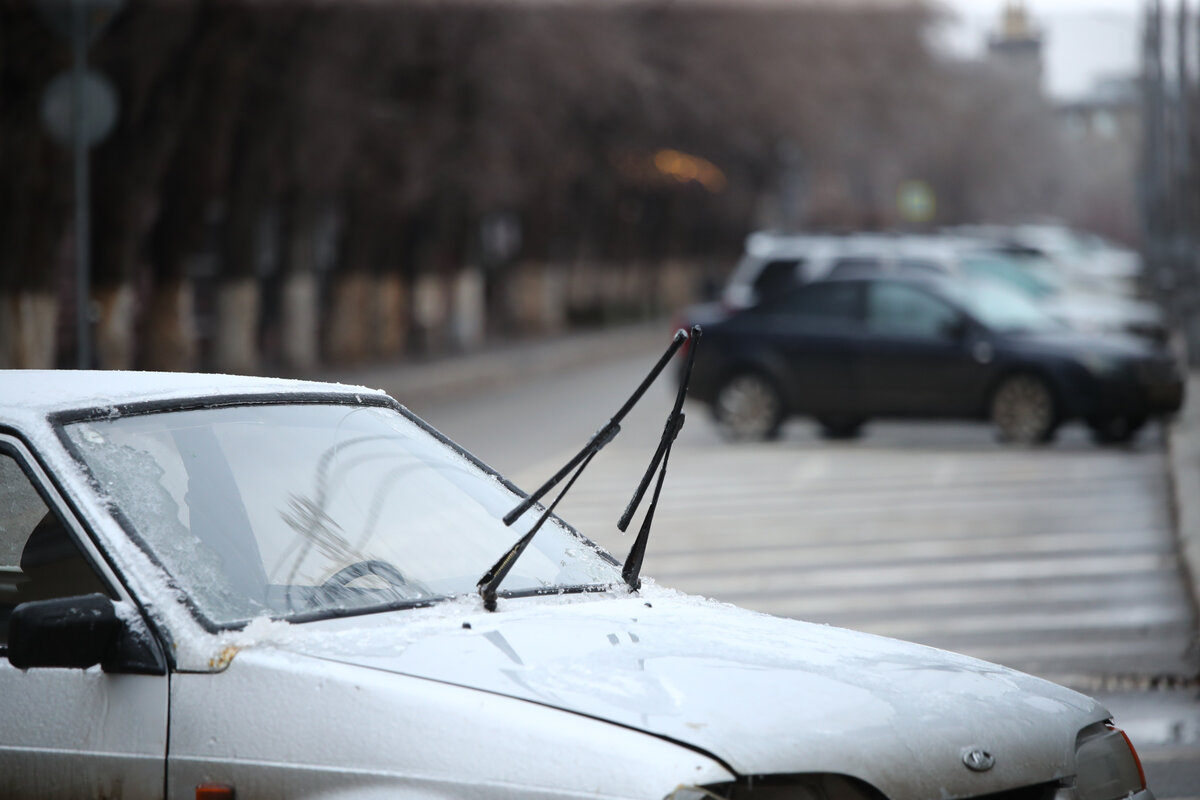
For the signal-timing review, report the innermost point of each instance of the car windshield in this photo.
(1000, 307)
(303, 511)
(1003, 270)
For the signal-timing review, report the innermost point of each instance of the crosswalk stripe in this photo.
(818, 603)
(1016, 569)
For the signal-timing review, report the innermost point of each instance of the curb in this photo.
(440, 379)
(1183, 462)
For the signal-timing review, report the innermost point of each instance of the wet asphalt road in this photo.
(1058, 561)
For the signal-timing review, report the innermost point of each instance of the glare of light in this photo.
(685, 168)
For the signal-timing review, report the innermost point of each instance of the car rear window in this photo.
(776, 277)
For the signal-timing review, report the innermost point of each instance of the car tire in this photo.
(1116, 430)
(748, 407)
(834, 427)
(1024, 410)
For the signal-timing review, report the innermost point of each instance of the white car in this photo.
(774, 263)
(219, 587)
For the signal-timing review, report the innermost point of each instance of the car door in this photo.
(66, 733)
(914, 357)
(814, 333)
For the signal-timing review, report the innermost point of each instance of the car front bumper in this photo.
(1145, 390)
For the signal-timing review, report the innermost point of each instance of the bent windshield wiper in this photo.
(633, 562)
(491, 579)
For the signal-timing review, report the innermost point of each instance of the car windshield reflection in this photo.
(301, 511)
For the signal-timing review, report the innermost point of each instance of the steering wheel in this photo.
(372, 566)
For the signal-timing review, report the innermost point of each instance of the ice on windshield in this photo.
(304, 509)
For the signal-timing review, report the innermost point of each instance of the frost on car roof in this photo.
(47, 391)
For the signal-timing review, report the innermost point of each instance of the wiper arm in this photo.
(631, 571)
(492, 579)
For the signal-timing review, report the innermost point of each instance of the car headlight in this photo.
(1107, 766)
(1100, 365)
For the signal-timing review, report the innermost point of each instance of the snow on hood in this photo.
(762, 694)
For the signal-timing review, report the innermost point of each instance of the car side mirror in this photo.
(69, 632)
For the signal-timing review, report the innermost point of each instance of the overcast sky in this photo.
(1084, 39)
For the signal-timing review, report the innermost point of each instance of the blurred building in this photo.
(1090, 149)
(1109, 112)
(1016, 47)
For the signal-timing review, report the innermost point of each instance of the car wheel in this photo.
(833, 427)
(748, 408)
(1116, 430)
(1023, 410)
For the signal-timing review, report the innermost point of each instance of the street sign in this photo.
(916, 201)
(97, 14)
(80, 109)
(99, 108)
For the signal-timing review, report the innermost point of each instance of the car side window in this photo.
(39, 559)
(898, 310)
(827, 303)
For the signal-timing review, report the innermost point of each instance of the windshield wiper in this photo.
(633, 562)
(492, 579)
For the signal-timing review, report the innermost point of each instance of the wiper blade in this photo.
(492, 579)
(632, 569)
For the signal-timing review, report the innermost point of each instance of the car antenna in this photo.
(631, 571)
(491, 579)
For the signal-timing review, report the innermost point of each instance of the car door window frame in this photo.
(946, 335)
(151, 656)
(780, 307)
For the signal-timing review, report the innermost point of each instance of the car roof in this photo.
(48, 391)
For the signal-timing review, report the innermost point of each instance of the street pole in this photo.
(83, 292)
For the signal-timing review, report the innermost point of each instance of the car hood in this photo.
(763, 695)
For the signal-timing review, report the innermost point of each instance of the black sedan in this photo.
(844, 351)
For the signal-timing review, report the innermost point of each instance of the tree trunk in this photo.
(391, 316)
(27, 324)
(429, 310)
(300, 321)
(468, 314)
(115, 327)
(677, 284)
(348, 326)
(538, 294)
(171, 327)
(236, 344)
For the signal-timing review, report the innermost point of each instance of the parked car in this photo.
(1081, 257)
(217, 586)
(1071, 299)
(846, 351)
(774, 263)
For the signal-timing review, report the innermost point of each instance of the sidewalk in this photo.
(1183, 454)
(437, 378)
